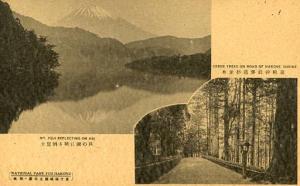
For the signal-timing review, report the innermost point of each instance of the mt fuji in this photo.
(95, 19)
(92, 12)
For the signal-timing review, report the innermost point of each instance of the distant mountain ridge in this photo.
(97, 20)
(85, 58)
(90, 64)
(175, 45)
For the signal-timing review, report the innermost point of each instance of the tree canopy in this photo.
(194, 66)
(262, 112)
(27, 68)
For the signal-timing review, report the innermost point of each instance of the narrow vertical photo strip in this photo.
(232, 131)
(97, 66)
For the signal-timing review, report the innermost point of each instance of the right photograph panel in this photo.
(232, 131)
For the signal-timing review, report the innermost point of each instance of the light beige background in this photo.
(248, 31)
(256, 32)
(180, 18)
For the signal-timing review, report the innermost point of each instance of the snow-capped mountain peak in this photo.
(90, 16)
(93, 12)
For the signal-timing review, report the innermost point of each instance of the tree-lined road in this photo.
(201, 171)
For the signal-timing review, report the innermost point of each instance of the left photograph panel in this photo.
(98, 66)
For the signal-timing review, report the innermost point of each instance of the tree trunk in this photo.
(244, 109)
(253, 120)
(266, 135)
(238, 123)
(283, 168)
(211, 124)
(258, 138)
(226, 121)
(208, 122)
(216, 126)
(271, 133)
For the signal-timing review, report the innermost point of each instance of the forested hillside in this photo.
(27, 69)
(195, 66)
(90, 64)
(183, 46)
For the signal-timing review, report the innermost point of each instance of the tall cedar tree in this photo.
(27, 63)
(283, 167)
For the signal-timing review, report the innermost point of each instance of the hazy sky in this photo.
(181, 18)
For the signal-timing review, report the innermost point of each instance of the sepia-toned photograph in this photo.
(232, 131)
(140, 92)
(98, 66)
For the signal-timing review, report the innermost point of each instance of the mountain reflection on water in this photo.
(109, 111)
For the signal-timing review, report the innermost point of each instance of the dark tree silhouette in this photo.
(283, 167)
(27, 69)
(195, 66)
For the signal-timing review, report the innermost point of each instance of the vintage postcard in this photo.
(129, 92)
